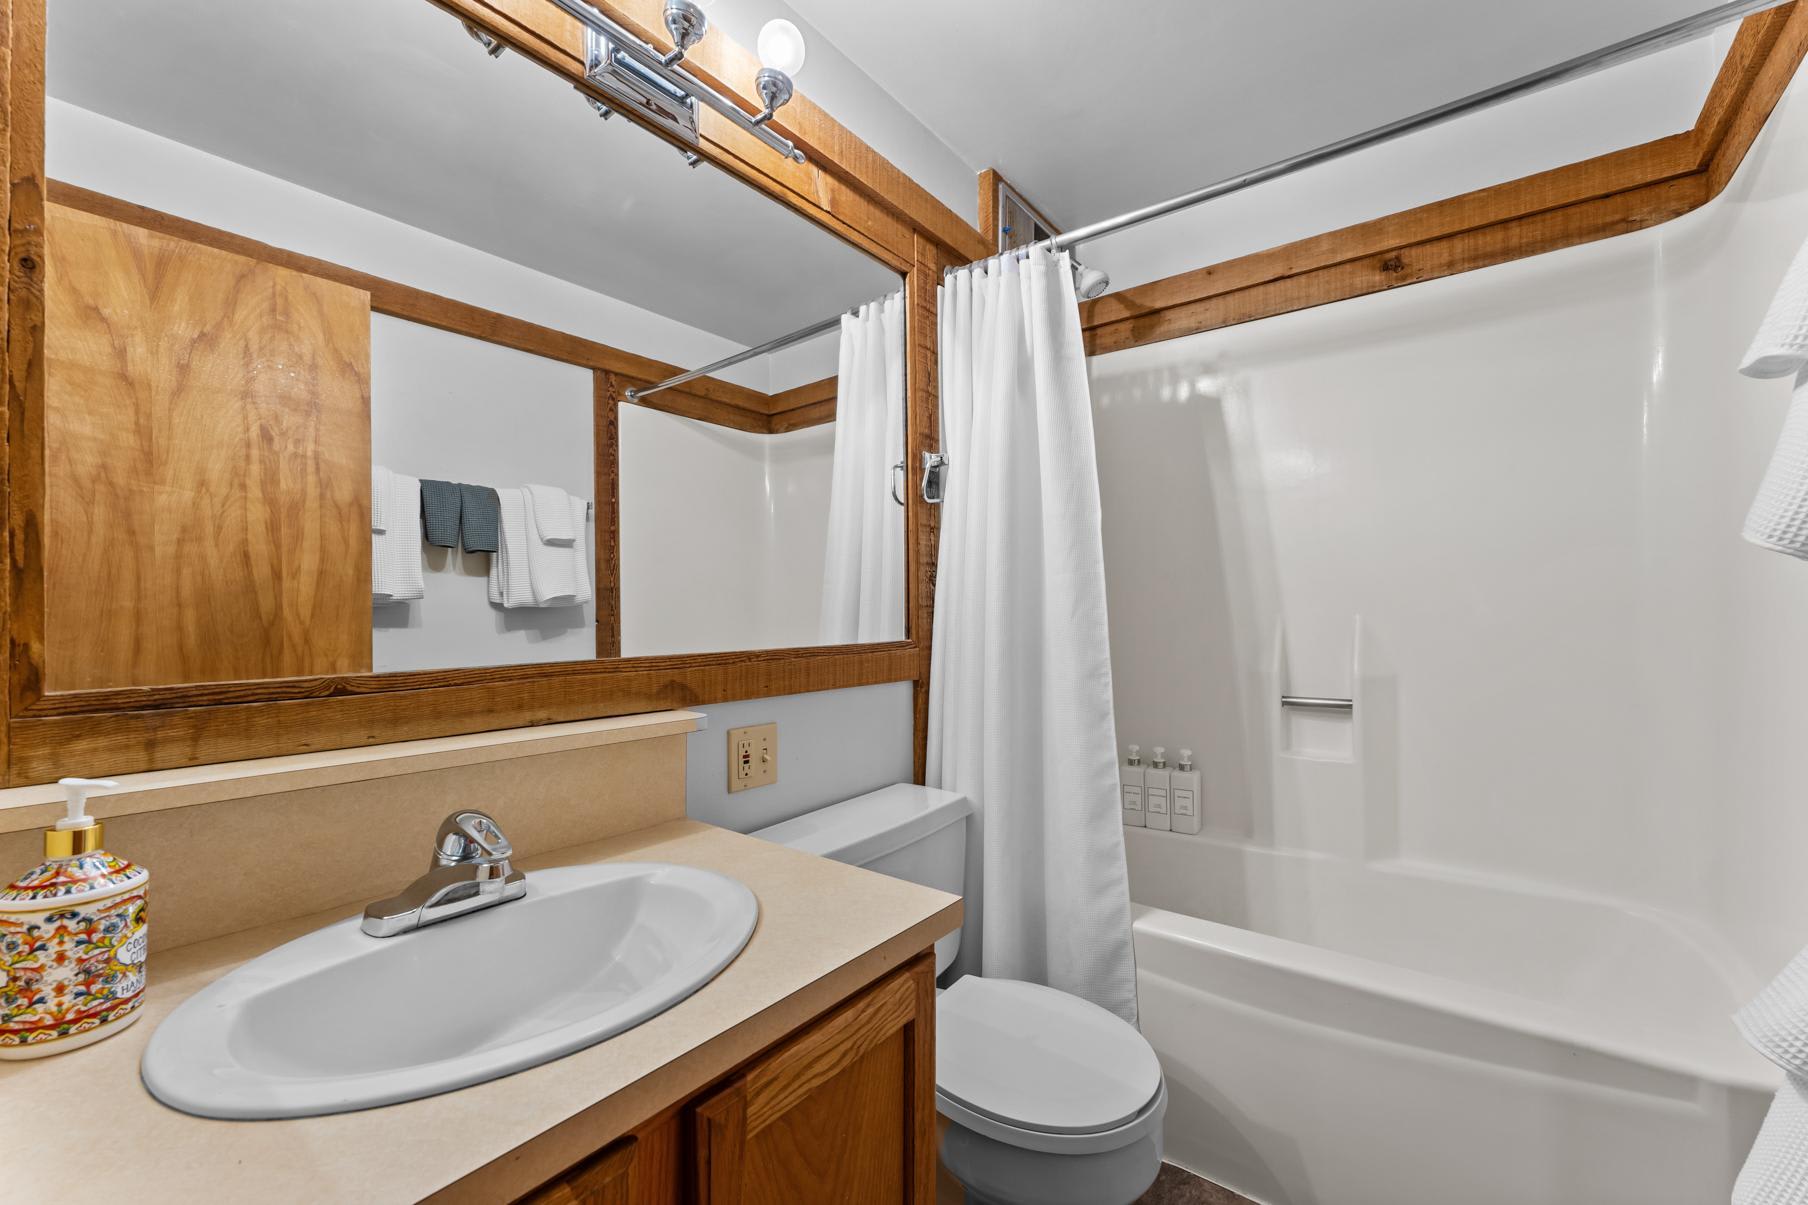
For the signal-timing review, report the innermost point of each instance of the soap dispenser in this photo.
(73, 939)
(1132, 777)
(1185, 813)
(1155, 791)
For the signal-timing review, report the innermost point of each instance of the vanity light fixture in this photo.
(782, 52)
(686, 21)
(633, 77)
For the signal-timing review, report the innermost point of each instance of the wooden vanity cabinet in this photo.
(839, 1112)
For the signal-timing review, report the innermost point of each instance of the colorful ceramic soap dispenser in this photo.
(73, 940)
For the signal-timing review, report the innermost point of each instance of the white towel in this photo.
(560, 573)
(1776, 1172)
(1780, 347)
(379, 497)
(395, 552)
(1778, 519)
(1776, 1019)
(509, 585)
(552, 514)
(526, 571)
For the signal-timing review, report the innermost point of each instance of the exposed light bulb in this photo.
(781, 46)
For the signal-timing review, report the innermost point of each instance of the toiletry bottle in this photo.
(73, 940)
(1155, 790)
(1132, 772)
(1183, 795)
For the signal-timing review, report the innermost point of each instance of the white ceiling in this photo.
(388, 105)
(1094, 108)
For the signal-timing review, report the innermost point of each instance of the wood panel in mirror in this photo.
(207, 448)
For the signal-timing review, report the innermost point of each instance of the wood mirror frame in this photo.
(845, 187)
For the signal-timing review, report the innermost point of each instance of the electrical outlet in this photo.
(752, 757)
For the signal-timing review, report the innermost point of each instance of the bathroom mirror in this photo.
(350, 329)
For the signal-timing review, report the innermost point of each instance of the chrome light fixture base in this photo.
(687, 24)
(775, 89)
(631, 87)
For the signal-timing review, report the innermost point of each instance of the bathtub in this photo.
(1345, 1033)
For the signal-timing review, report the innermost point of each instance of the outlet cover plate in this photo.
(752, 757)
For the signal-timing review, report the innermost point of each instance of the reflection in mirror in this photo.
(398, 303)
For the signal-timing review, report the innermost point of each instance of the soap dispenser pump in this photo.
(73, 939)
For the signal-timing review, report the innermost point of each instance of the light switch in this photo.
(752, 757)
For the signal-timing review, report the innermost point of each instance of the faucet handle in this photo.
(470, 836)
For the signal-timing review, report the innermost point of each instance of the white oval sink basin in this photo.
(339, 1020)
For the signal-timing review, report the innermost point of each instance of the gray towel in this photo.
(482, 517)
(439, 512)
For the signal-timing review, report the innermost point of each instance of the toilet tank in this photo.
(906, 831)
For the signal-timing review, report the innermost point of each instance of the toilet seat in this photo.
(1043, 1070)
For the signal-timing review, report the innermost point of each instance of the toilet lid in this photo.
(1040, 1059)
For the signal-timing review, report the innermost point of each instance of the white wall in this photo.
(458, 409)
(831, 79)
(722, 534)
(1503, 510)
(832, 745)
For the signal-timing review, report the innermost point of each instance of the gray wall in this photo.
(832, 745)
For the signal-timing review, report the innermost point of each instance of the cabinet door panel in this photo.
(842, 1114)
(207, 462)
(603, 1179)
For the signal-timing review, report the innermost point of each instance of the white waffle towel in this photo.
(379, 497)
(552, 514)
(395, 551)
(1778, 518)
(1776, 1172)
(509, 585)
(1776, 1019)
(526, 570)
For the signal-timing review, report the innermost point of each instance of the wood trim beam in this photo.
(989, 180)
(605, 427)
(922, 522)
(846, 185)
(340, 714)
(1597, 198)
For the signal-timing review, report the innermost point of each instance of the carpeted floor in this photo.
(1177, 1187)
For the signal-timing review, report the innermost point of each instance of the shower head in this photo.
(1089, 282)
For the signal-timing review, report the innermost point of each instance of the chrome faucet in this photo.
(470, 871)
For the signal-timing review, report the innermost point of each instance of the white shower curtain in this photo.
(1020, 712)
(863, 570)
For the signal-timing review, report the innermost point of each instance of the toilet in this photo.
(1049, 1099)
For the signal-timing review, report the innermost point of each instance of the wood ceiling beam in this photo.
(1597, 198)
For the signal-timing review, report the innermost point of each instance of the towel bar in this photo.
(1318, 703)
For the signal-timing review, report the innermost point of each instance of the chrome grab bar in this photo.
(1317, 703)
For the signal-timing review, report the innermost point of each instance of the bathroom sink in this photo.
(339, 1020)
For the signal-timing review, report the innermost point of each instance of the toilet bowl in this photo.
(1049, 1099)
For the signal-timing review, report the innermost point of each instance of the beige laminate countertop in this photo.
(80, 1127)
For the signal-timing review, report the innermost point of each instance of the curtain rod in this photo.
(1625, 50)
(778, 344)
